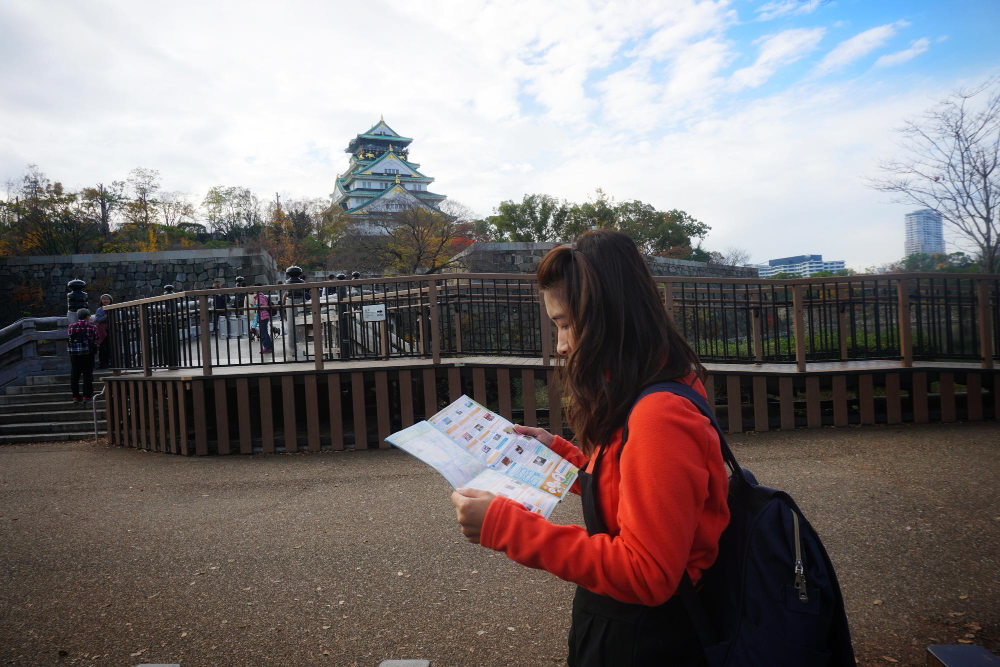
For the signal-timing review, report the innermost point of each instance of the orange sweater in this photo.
(663, 501)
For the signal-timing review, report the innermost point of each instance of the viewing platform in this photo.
(354, 360)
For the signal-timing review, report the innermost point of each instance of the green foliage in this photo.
(543, 218)
(956, 262)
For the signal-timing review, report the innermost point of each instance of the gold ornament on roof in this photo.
(390, 148)
(397, 179)
(381, 118)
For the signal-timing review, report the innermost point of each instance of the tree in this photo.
(733, 256)
(104, 200)
(956, 262)
(536, 218)
(141, 209)
(951, 164)
(234, 212)
(175, 209)
(415, 240)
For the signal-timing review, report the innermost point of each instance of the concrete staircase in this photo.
(42, 411)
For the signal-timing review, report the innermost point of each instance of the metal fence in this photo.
(895, 316)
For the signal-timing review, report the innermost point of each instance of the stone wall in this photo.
(132, 275)
(524, 258)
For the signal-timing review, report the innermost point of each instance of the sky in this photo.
(758, 117)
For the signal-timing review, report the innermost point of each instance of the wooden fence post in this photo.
(668, 299)
(546, 330)
(983, 294)
(843, 303)
(144, 338)
(317, 326)
(206, 341)
(800, 328)
(905, 327)
(435, 325)
(758, 334)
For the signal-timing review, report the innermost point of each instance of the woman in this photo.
(103, 340)
(263, 320)
(654, 508)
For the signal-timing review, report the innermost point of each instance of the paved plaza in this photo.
(117, 557)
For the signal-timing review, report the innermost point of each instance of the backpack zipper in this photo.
(800, 573)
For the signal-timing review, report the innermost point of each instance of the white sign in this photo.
(374, 313)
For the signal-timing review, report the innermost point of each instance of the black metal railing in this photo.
(893, 316)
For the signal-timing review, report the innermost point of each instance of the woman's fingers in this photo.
(539, 434)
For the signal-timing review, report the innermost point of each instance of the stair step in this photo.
(47, 397)
(48, 427)
(48, 406)
(58, 416)
(61, 378)
(48, 437)
(29, 389)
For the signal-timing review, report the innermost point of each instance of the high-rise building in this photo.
(380, 177)
(923, 233)
(799, 265)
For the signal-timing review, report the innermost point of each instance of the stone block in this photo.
(155, 282)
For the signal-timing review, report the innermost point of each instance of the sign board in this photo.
(374, 313)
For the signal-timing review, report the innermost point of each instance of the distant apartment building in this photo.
(923, 233)
(800, 265)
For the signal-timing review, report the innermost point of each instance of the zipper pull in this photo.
(800, 572)
(800, 581)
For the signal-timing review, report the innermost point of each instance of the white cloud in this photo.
(777, 51)
(857, 47)
(779, 8)
(502, 99)
(916, 48)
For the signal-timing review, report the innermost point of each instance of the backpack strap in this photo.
(685, 589)
(691, 394)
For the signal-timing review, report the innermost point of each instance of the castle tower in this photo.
(380, 177)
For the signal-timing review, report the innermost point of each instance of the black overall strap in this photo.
(692, 604)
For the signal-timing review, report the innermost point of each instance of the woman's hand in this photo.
(539, 434)
(471, 506)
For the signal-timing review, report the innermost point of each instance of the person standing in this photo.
(220, 305)
(82, 345)
(103, 339)
(263, 306)
(653, 511)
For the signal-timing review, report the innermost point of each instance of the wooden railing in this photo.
(903, 317)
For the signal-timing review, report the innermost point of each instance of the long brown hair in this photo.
(623, 338)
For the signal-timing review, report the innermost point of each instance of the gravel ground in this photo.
(118, 557)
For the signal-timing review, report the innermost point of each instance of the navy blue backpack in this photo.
(771, 599)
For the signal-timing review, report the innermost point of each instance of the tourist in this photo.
(331, 290)
(220, 303)
(103, 339)
(262, 322)
(82, 345)
(653, 509)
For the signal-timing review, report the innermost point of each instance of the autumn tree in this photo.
(235, 212)
(141, 208)
(951, 164)
(175, 209)
(417, 240)
(103, 201)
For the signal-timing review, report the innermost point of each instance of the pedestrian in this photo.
(220, 305)
(103, 339)
(82, 345)
(263, 320)
(653, 510)
(329, 291)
